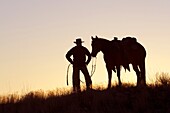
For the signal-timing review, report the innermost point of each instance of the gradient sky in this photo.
(36, 34)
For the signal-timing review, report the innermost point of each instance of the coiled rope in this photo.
(92, 71)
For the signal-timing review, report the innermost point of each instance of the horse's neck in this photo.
(106, 46)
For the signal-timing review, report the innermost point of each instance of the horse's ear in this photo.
(96, 36)
(92, 38)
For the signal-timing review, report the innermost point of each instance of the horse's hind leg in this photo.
(118, 75)
(142, 69)
(135, 67)
(109, 76)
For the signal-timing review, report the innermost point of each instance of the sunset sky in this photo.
(36, 34)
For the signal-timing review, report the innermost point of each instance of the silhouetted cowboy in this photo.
(79, 63)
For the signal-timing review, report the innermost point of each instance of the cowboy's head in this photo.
(78, 41)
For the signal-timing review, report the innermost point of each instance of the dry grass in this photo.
(153, 98)
(163, 78)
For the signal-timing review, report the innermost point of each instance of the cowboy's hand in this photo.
(87, 63)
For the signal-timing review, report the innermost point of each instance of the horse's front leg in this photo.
(109, 70)
(118, 75)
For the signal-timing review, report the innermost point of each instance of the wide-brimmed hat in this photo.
(78, 41)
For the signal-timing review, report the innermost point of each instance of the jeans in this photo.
(76, 77)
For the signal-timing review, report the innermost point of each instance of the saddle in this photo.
(124, 46)
(129, 40)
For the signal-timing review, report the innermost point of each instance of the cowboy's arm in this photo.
(68, 56)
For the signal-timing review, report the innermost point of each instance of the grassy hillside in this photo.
(154, 98)
(127, 99)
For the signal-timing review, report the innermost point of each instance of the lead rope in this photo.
(93, 66)
(92, 71)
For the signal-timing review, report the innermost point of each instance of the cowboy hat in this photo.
(78, 41)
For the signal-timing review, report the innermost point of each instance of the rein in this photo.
(92, 71)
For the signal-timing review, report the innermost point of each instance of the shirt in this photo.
(79, 55)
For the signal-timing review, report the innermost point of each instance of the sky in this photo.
(35, 35)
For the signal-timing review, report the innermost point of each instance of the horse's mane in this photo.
(103, 39)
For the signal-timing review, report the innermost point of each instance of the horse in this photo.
(118, 53)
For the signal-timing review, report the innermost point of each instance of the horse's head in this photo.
(96, 46)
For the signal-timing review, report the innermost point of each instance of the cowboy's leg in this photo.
(76, 80)
(87, 76)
